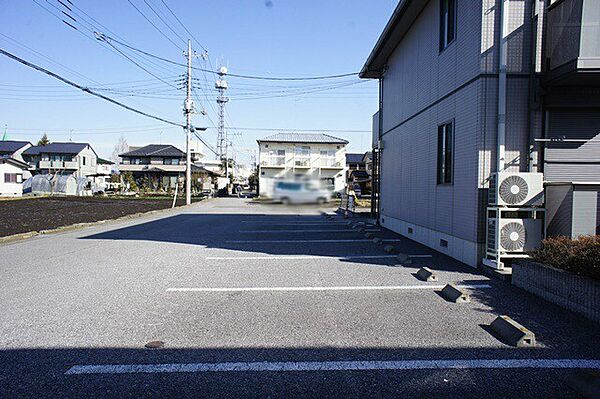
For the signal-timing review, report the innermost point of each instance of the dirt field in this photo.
(34, 214)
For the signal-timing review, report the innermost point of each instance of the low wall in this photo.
(578, 294)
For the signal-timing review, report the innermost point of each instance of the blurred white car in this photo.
(294, 192)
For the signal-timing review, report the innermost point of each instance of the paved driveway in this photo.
(264, 301)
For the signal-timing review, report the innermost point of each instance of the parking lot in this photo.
(265, 300)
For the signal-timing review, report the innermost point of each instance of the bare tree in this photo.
(120, 148)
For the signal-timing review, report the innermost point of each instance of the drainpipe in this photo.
(502, 67)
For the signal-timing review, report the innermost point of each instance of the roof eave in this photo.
(395, 29)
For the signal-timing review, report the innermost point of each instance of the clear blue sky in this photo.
(258, 37)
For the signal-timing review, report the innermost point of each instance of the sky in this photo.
(276, 38)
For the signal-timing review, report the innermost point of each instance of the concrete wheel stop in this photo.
(426, 274)
(512, 332)
(453, 294)
(390, 249)
(403, 259)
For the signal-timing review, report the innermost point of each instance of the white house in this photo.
(11, 177)
(295, 156)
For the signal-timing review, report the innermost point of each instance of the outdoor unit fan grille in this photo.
(513, 236)
(513, 190)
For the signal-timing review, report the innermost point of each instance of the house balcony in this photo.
(63, 165)
(273, 162)
(571, 43)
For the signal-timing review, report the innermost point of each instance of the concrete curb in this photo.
(512, 332)
(426, 274)
(453, 294)
(77, 226)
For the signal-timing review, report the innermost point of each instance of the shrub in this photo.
(580, 256)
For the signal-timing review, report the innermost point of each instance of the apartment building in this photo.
(295, 156)
(469, 89)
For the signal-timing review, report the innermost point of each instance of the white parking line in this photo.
(299, 257)
(356, 365)
(325, 288)
(297, 241)
(306, 231)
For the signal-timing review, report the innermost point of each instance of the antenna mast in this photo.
(221, 86)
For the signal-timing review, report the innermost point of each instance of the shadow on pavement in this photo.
(228, 231)
(41, 373)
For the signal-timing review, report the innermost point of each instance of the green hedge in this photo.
(580, 256)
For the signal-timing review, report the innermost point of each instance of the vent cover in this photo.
(513, 236)
(513, 190)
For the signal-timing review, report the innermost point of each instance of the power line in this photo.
(343, 75)
(295, 130)
(152, 23)
(85, 89)
(164, 22)
(184, 27)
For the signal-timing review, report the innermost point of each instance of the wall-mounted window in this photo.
(447, 22)
(10, 178)
(445, 153)
(83, 160)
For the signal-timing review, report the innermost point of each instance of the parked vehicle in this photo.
(301, 193)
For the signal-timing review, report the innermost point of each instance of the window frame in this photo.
(445, 153)
(444, 40)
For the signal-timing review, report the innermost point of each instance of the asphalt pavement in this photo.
(264, 300)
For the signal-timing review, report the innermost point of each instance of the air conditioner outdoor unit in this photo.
(516, 189)
(513, 236)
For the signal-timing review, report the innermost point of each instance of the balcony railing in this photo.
(302, 161)
(329, 163)
(57, 165)
(274, 161)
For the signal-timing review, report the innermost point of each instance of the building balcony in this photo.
(273, 162)
(302, 162)
(64, 165)
(331, 163)
(572, 49)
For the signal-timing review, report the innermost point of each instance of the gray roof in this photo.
(155, 150)
(303, 138)
(12, 146)
(57, 148)
(354, 158)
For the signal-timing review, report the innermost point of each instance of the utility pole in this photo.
(187, 110)
(222, 143)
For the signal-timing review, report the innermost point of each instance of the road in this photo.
(255, 300)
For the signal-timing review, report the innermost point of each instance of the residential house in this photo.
(13, 149)
(77, 159)
(468, 89)
(359, 171)
(11, 176)
(103, 172)
(160, 166)
(293, 156)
